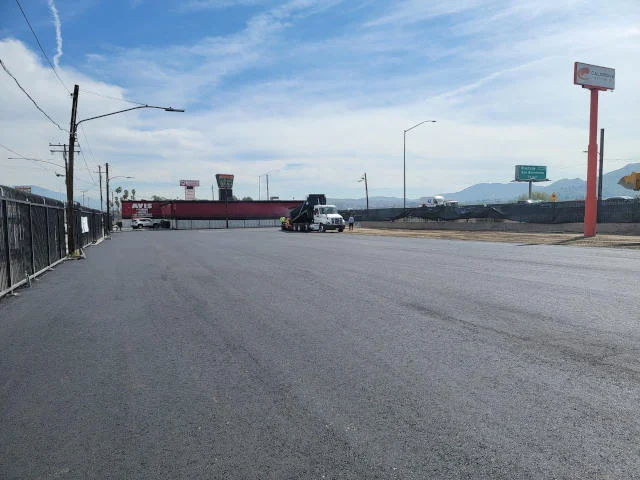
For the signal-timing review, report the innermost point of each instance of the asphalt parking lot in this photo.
(268, 355)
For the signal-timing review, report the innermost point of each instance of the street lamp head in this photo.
(171, 109)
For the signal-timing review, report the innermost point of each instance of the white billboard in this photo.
(594, 76)
(189, 183)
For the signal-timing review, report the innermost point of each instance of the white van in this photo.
(433, 201)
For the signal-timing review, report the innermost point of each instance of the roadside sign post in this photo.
(531, 173)
(594, 78)
(189, 188)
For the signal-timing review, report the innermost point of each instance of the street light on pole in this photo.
(108, 226)
(267, 177)
(72, 140)
(404, 161)
(366, 187)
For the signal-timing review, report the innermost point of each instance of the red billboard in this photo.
(141, 209)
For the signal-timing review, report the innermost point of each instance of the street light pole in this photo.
(404, 161)
(366, 188)
(72, 139)
(108, 225)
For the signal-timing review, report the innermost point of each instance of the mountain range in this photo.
(565, 189)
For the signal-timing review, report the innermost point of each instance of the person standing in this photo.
(351, 222)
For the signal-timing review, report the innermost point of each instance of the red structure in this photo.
(208, 210)
(141, 209)
(594, 78)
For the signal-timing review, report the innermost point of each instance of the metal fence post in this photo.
(5, 216)
(46, 210)
(33, 256)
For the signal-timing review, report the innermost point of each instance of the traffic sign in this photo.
(531, 173)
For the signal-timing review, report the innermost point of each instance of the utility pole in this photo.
(63, 152)
(71, 226)
(106, 174)
(100, 181)
(101, 204)
(268, 198)
(366, 187)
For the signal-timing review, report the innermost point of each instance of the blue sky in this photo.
(319, 92)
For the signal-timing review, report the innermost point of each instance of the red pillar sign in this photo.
(594, 78)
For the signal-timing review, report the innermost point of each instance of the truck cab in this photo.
(326, 217)
(435, 201)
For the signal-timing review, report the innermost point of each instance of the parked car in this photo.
(146, 222)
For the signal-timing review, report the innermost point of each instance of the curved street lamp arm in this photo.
(166, 109)
(418, 124)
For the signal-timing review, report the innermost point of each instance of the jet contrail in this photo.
(58, 25)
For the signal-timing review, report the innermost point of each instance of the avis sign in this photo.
(593, 76)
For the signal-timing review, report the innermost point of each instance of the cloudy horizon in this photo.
(316, 92)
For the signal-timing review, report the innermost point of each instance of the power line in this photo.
(90, 152)
(123, 100)
(42, 49)
(12, 151)
(87, 167)
(30, 98)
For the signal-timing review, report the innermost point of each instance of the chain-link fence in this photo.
(33, 235)
(609, 211)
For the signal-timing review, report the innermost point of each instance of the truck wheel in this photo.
(341, 229)
(323, 228)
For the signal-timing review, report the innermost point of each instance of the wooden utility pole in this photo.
(71, 225)
(106, 175)
(100, 181)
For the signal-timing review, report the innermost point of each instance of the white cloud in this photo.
(499, 85)
(195, 5)
(58, 26)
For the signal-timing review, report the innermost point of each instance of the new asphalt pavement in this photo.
(260, 354)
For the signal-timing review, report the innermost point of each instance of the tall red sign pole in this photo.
(594, 78)
(591, 199)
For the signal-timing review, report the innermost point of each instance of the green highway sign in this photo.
(531, 173)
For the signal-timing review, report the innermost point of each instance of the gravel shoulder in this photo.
(570, 239)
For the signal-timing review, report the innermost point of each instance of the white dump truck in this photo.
(314, 215)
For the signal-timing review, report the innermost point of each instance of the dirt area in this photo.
(604, 240)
